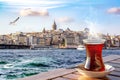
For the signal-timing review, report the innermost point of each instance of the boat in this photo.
(81, 47)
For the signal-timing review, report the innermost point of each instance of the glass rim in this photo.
(93, 41)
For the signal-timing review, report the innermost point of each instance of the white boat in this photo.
(81, 47)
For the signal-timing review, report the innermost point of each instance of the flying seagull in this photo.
(13, 22)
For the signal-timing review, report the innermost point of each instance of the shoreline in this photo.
(12, 46)
(112, 48)
(51, 49)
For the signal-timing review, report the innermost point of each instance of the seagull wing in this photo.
(13, 22)
(16, 20)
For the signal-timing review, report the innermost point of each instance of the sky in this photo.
(98, 15)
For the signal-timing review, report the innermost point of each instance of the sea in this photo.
(16, 64)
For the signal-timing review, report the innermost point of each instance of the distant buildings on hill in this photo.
(57, 38)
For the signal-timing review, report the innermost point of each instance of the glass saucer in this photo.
(95, 74)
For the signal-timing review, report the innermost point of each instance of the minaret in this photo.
(44, 30)
(54, 26)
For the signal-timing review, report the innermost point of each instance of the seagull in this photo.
(13, 22)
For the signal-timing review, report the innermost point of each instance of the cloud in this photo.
(114, 10)
(44, 4)
(33, 2)
(30, 12)
(65, 19)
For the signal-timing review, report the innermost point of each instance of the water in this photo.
(16, 64)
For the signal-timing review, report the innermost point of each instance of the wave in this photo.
(29, 74)
(3, 62)
(8, 66)
(38, 64)
(11, 77)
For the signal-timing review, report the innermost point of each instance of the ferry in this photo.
(81, 47)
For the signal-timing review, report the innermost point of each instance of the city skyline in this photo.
(32, 16)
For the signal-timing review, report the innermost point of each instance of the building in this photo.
(43, 31)
(48, 41)
(116, 42)
(33, 40)
(54, 26)
(77, 39)
(2, 39)
(19, 38)
(41, 42)
(70, 42)
(22, 39)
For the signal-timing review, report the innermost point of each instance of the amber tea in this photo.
(94, 61)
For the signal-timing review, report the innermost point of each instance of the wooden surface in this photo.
(72, 74)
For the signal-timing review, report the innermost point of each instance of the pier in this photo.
(11, 46)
